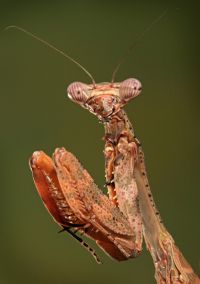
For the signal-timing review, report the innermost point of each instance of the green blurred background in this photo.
(36, 114)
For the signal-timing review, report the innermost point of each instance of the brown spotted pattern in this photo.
(116, 223)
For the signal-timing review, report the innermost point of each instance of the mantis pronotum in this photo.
(119, 222)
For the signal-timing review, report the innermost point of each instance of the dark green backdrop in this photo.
(36, 114)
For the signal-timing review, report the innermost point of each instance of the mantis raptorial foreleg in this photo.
(74, 201)
(121, 182)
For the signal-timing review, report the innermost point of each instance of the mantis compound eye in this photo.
(78, 92)
(129, 89)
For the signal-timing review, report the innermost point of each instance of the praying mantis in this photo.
(117, 222)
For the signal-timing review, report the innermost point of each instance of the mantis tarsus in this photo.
(119, 222)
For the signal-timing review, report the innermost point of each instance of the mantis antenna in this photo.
(138, 39)
(54, 48)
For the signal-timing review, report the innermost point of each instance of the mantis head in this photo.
(104, 99)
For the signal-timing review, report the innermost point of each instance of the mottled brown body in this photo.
(74, 201)
(119, 222)
(127, 181)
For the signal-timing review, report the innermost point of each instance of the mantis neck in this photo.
(120, 126)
